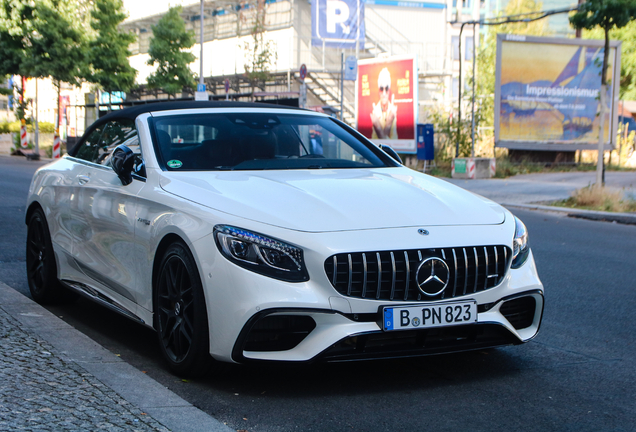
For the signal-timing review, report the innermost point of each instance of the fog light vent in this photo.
(278, 332)
(519, 312)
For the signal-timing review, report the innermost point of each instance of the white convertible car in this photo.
(251, 232)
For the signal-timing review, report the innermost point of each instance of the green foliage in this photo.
(108, 54)
(57, 47)
(606, 14)
(45, 127)
(15, 19)
(627, 35)
(21, 103)
(447, 135)
(14, 127)
(44, 38)
(170, 39)
(259, 53)
(16, 140)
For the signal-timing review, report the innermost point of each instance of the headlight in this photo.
(260, 254)
(520, 248)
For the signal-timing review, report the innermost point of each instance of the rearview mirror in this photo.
(123, 161)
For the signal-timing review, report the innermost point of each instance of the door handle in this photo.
(82, 179)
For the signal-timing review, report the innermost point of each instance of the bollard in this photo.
(56, 147)
(23, 137)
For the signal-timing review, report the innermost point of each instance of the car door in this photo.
(105, 248)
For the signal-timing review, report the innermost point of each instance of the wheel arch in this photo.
(162, 247)
(33, 207)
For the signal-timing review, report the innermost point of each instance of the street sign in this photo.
(351, 68)
(338, 23)
(200, 87)
(227, 85)
(303, 72)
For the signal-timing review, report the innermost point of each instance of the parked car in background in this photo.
(252, 232)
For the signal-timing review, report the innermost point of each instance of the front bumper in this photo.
(306, 334)
(254, 317)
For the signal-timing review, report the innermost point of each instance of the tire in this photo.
(180, 314)
(40, 260)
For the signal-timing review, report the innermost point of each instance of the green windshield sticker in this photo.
(175, 163)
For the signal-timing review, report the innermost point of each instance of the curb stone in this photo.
(623, 218)
(53, 377)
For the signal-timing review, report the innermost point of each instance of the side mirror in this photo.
(388, 150)
(123, 162)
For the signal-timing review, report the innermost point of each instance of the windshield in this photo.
(258, 141)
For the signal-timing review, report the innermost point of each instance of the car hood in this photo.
(335, 200)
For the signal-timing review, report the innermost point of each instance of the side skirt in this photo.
(101, 299)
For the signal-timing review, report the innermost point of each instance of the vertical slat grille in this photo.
(391, 275)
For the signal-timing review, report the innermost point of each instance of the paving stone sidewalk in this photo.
(41, 391)
(55, 378)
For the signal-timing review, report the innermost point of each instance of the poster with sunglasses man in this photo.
(387, 101)
(384, 113)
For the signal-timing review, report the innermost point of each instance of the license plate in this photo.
(429, 315)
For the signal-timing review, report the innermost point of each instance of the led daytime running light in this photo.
(290, 251)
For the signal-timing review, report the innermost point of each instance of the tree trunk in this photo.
(600, 169)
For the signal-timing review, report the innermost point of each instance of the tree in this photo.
(170, 39)
(108, 55)
(606, 14)
(57, 46)
(14, 17)
(627, 35)
(43, 39)
(259, 54)
(4, 90)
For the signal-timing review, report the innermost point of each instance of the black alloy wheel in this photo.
(180, 315)
(40, 261)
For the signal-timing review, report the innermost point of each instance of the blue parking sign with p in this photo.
(337, 23)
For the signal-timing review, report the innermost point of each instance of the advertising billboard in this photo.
(547, 92)
(337, 23)
(386, 101)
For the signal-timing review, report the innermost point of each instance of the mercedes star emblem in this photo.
(432, 276)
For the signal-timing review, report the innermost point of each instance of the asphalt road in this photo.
(579, 374)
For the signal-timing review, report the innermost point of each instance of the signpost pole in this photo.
(201, 42)
(303, 86)
(341, 86)
(37, 124)
(459, 101)
(472, 133)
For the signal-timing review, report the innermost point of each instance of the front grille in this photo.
(519, 312)
(390, 275)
